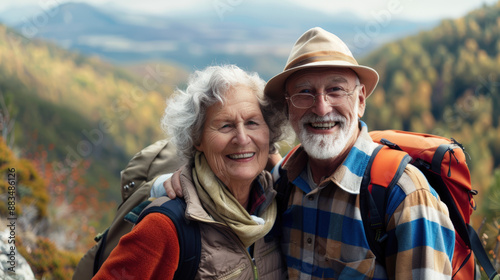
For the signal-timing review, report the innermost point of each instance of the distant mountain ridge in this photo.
(254, 36)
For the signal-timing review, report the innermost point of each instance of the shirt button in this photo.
(311, 197)
(309, 240)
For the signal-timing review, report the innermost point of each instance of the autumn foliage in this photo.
(77, 207)
(58, 214)
(31, 189)
(47, 261)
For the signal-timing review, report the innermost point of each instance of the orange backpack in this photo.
(443, 163)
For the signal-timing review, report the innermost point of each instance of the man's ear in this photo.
(362, 101)
(285, 105)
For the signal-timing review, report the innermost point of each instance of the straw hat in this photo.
(320, 48)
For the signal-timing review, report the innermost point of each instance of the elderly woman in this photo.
(226, 129)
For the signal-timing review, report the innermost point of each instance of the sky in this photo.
(405, 9)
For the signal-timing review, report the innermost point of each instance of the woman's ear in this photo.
(199, 147)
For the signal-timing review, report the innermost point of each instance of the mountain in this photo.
(256, 36)
(445, 81)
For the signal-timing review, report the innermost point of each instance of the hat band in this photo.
(320, 56)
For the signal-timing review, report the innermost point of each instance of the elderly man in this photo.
(324, 91)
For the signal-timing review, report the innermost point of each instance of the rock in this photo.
(12, 264)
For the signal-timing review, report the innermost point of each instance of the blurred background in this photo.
(83, 86)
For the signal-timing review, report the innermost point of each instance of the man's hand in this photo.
(171, 191)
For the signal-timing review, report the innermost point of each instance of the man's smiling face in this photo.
(325, 129)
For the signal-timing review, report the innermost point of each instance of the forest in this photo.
(70, 123)
(446, 81)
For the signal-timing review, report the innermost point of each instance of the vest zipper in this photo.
(255, 274)
(252, 261)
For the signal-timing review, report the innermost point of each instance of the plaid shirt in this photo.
(323, 234)
(256, 199)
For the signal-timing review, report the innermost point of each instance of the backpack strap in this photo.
(384, 169)
(133, 215)
(188, 233)
(100, 251)
(481, 254)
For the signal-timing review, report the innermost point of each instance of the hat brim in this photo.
(275, 87)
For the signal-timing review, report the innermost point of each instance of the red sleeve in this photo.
(149, 251)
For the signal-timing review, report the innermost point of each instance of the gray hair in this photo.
(185, 113)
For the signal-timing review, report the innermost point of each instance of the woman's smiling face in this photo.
(235, 138)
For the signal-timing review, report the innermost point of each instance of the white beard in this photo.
(325, 146)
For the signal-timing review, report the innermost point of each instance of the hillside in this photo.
(72, 122)
(82, 107)
(445, 81)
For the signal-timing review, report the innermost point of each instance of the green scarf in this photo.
(223, 206)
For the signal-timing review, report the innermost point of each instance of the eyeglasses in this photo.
(307, 100)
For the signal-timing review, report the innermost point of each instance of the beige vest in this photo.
(223, 256)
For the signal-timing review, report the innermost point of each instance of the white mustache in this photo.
(330, 117)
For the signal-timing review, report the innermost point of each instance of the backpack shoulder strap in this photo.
(188, 233)
(385, 167)
(481, 254)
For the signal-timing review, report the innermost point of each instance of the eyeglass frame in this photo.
(346, 93)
